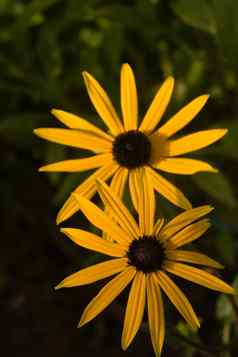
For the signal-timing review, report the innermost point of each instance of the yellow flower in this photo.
(143, 254)
(130, 146)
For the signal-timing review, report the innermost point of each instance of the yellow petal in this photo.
(75, 138)
(196, 141)
(155, 313)
(192, 257)
(94, 273)
(107, 294)
(99, 219)
(178, 299)
(117, 185)
(198, 276)
(129, 103)
(102, 104)
(134, 309)
(73, 121)
(183, 116)
(158, 106)
(91, 241)
(124, 218)
(184, 219)
(168, 190)
(146, 204)
(190, 233)
(158, 226)
(119, 181)
(134, 186)
(77, 165)
(183, 166)
(87, 189)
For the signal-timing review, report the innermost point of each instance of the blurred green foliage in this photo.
(44, 46)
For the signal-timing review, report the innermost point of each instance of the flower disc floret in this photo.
(146, 253)
(132, 149)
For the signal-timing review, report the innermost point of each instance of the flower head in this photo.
(143, 255)
(128, 147)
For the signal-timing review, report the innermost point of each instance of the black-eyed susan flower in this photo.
(145, 255)
(128, 146)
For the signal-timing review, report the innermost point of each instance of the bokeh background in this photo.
(44, 47)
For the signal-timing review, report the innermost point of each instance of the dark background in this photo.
(44, 47)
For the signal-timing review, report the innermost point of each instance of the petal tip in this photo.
(59, 286)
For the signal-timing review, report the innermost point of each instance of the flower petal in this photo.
(183, 166)
(99, 219)
(184, 219)
(192, 257)
(91, 241)
(158, 106)
(107, 294)
(134, 186)
(190, 233)
(134, 309)
(102, 104)
(117, 185)
(129, 103)
(183, 116)
(123, 216)
(119, 181)
(77, 165)
(75, 138)
(168, 190)
(73, 121)
(196, 141)
(155, 313)
(146, 204)
(94, 273)
(158, 226)
(86, 189)
(178, 299)
(198, 276)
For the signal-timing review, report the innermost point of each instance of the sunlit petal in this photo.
(129, 103)
(184, 219)
(91, 241)
(124, 218)
(190, 233)
(94, 273)
(196, 141)
(168, 190)
(102, 104)
(146, 204)
(192, 257)
(158, 106)
(87, 188)
(77, 165)
(134, 310)
(73, 121)
(98, 218)
(177, 297)
(183, 116)
(155, 313)
(198, 276)
(183, 166)
(75, 138)
(107, 294)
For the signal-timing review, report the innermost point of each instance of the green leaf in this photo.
(224, 308)
(225, 246)
(229, 145)
(225, 16)
(196, 13)
(217, 186)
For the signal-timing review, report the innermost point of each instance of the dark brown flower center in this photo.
(146, 253)
(132, 149)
